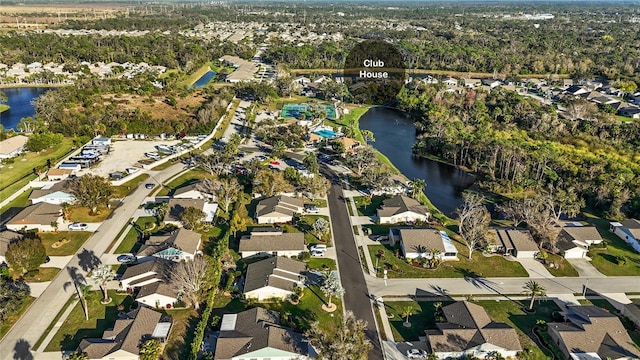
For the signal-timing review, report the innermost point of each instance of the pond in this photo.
(395, 134)
(20, 103)
(204, 79)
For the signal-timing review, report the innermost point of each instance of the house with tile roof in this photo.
(515, 242)
(181, 244)
(274, 277)
(7, 237)
(574, 241)
(123, 341)
(278, 209)
(401, 208)
(421, 243)
(469, 331)
(257, 334)
(272, 242)
(590, 332)
(38, 216)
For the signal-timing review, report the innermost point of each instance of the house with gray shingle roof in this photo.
(128, 333)
(274, 277)
(148, 283)
(401, 208)
(53, 193)
(515, 242)
(591, 332)
(278, 209)
(629, 231)
(7, 237)
(422, 243)
(274, 242)
(39, 216)
(257, 333)
(574, 241)
(181, 244)
(468, 330)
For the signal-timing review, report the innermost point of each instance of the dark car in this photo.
(149, 185)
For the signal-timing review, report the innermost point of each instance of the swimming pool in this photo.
(326, 133)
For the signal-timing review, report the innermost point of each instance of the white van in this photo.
(318, 247)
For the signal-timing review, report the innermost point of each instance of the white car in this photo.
(416, 354)
(317, 253)
(311, 209)
(318, 247)
(78, 226)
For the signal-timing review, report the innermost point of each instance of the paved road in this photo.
(24, 334)
(356, 297)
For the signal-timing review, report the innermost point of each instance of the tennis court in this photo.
(298, 110)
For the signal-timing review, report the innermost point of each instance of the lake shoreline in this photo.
(28, 86)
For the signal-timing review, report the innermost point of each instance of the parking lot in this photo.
(125, 154)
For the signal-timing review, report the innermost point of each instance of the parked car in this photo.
(274, 162)
(380, 237)
(78, 226)
(317, 253)
(149, 185)
(261, 157)
(318, 247)
(416, 354)
(311, 209)
(126, 259)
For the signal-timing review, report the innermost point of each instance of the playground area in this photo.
(299, 111)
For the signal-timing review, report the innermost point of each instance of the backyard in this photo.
(480, 266)
(506, 311)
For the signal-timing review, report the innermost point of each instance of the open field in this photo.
(37, 16)
(159, 108)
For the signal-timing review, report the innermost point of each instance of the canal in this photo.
(395, 135)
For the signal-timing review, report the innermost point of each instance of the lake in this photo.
(20, 105)
(204, 79)
(395, 135)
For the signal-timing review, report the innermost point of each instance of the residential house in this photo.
(123, 341)
(629, 231)
(53, 193)
(257, 334)
(39, 216)
(147, 282)
(469, 331)
(350, 145)
(401, 208)
(590, 332)
(492, 83)
(574, 241)
(422, 243)
(58, 174)
(177, 206)
(7, 237)
(472, 83)
(191, 191)
(271, 241)
(302, 80)
(515, 242)
(181, 244)
(630, 112)
(576, 90)
(12, 146)
(274, 277)
(449, 81)
(278, 209)
(632, 311)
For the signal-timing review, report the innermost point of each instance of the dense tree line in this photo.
(520, 145)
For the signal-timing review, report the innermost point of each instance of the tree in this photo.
(563, 201)
(190, 278)
(12, 296)
(55, 225)
(474, 220)
(269, 183)
(91, 191)
(348, 341)
(214, 163)
(78, 355)
(101, 275)
(161, 210)
(331, 286)
(376, 179)
(150, 350)
(416, 186)
(192, 218)
(363, 158)
(368, 136)
(320, 227)
(406, 312)
(533, 289)
(515, 210)
(279, 149)
(26, 255)
(227, 191)
(338, 147)
(3, 96)
(311, 163)
(316, 186)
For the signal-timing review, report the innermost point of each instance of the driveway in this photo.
(585, 268)
(57, 261)
(535, 268)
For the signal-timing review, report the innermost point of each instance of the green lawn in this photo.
(76, 239)
(321, 264)
(187, 178)
(298, 317)
(480, 266)
(562, 267)
(101, 317)
(124, 189)
(11, 319)
(79, 213)
(366, 206)
(130, 242)
(422, 318)
(604, 259)
(305, 224)
(43, 274)
(15, 206)
(16, 175)
(184, 324)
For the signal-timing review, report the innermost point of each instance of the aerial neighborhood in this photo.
(209, 181)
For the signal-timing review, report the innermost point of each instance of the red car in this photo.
(275, 163)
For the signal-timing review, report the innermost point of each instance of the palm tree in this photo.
(66, 211)
(161, 211)
(78, 355)
(406, 312)
(533, 289)
(279, 148)
(84, 292)
(331, 286)
(416, 187)
(100, 276)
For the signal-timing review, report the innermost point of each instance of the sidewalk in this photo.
(55, 328)
(359, 241)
